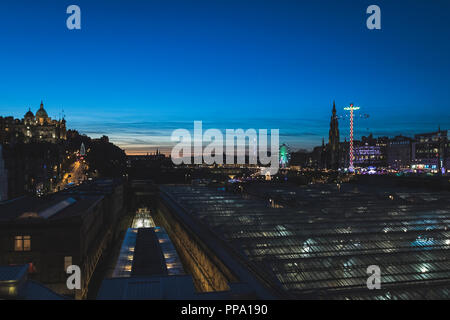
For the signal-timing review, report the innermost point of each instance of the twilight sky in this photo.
(139, 69)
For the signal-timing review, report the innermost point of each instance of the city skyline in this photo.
(224, 157)
(157, 134)
(137, 72)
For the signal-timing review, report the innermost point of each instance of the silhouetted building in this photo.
(319, 156)
(3, 177)
(344, 154)
(333, 141)
(32, 168)
(399, 152)
(305, 159)
(149, 160)
(112, 190)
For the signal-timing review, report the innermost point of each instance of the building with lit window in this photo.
(430, 153)
(50, 234)
(399, 153)
(39, 127)
(370, 151)
(367, 155)
(53, 232)
(15, 285)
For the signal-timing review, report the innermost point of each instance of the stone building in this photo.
(399, 153)
(50, 233)
(39, 127)
(430, 152)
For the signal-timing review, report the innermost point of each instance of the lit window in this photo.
(67, 262)
(22, 243)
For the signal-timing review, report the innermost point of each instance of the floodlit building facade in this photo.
(33, 127)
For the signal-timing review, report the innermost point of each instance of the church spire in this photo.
(333, 140)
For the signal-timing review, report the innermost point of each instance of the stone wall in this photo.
(208, 272)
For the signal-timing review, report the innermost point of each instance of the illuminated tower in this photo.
(333, 141)
(351, 108)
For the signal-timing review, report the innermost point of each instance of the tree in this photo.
(108, 159)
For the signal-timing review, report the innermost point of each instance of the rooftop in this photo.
(15, 285)
(51, 207)
(97, 186)
(147, 252)
(324, 238)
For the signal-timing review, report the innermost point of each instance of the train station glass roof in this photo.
(319, 240)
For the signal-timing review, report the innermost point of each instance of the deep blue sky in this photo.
(139, 69)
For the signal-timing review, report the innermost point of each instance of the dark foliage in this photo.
(106, 158)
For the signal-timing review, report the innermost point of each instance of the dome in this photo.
(41, 113)
(29, 114)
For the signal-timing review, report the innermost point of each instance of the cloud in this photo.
(145, 136)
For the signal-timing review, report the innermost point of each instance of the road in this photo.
(75, 176)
